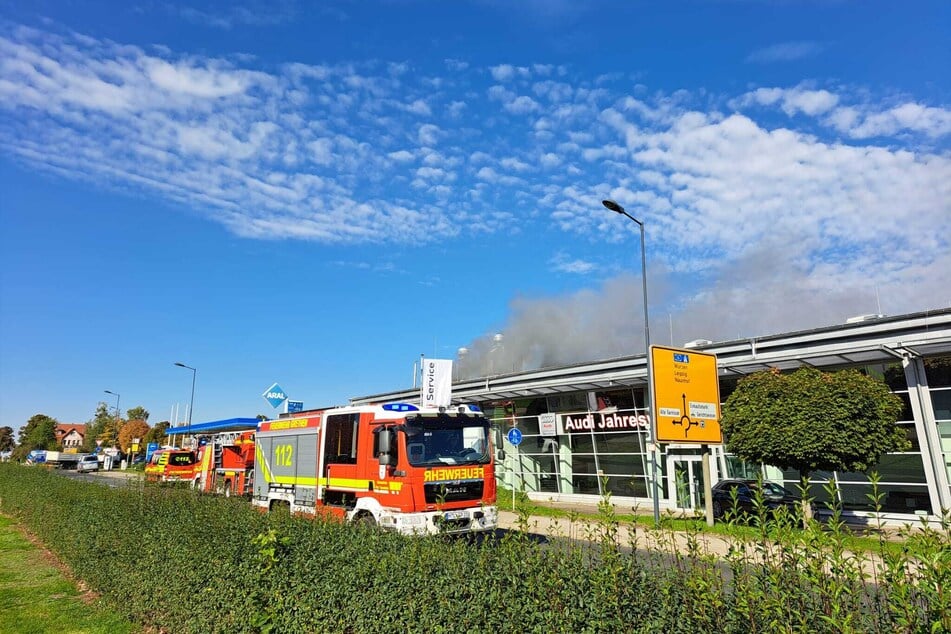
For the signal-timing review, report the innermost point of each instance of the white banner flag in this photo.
(437, 383)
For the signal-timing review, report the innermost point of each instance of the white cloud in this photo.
(455, 108)
(321, 151)
(428, 134)
(338, 154)
(487, 174)
(792, 101)
(913, 117)
(549, 160)
(859, 121)
(419, 107)
(515, 165)
(503, 72)
(431, 173)
(785, 52)
(562, 263)
(403, 156)
(254, 12)
(522, 105)
(199, 82)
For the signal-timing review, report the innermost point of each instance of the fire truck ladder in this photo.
(221, 440)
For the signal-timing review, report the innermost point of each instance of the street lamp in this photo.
(613, 206)
(117, 403)
(191, 404)
(117, 420)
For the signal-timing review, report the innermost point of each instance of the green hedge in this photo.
(183, 562)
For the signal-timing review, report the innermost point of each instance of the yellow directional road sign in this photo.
(686, 396)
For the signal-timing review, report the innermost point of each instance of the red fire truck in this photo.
(171, 465)
(226, 463)
(393, 465)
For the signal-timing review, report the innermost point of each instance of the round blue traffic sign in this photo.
(515, 436)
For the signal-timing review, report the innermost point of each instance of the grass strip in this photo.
(39, 598)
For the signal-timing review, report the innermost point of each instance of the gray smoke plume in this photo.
(760, 294)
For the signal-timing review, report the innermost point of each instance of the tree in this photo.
(158, 434)
(812, 421)
(38, 433)
(110, 433)
(130, 431)
(97, 426)
(137, 413)
(6, 439)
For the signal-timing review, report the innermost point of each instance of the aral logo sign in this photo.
(275, 395)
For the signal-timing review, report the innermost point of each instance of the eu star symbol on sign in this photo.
(275, 395)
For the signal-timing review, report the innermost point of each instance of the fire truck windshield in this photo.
(444, 441)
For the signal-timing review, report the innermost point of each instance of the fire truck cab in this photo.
(393, 465)
(171, 465)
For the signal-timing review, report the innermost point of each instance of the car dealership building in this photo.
(585, 430)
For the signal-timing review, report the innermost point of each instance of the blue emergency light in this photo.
(400, 407)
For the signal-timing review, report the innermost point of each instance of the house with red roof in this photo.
(71, 435)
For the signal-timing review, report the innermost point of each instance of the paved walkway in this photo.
(670, 542)
(627, 534)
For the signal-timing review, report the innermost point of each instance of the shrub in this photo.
(179, 561)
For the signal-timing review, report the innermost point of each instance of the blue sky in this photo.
(316, 195)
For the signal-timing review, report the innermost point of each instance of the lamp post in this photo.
(191, 403)
(117, 407)
(117, 415)
(117, 403)
(655, 489)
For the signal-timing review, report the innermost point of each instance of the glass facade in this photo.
(595, 446)
(596, 442)
(938, 373)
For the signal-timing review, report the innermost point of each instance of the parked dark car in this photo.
(773, 497)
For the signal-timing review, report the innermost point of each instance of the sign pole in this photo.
(518, 462)
(707, 486)
(515, 437)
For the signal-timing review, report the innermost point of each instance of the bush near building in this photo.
(178, 561)
(812, 421)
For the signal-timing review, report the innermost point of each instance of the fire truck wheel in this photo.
(280, 505)
(364, 519)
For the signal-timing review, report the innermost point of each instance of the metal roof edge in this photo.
(230, 424)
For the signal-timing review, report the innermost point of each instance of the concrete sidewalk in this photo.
(640, 537)
(669, 542)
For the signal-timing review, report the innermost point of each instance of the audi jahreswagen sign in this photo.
(575, 423)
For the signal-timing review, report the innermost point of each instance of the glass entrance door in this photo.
(685, 482)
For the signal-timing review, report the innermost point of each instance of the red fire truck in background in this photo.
(393, 465)
(171, 465)
(225, 463)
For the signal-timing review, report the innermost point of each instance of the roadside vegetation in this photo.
(174, 560)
